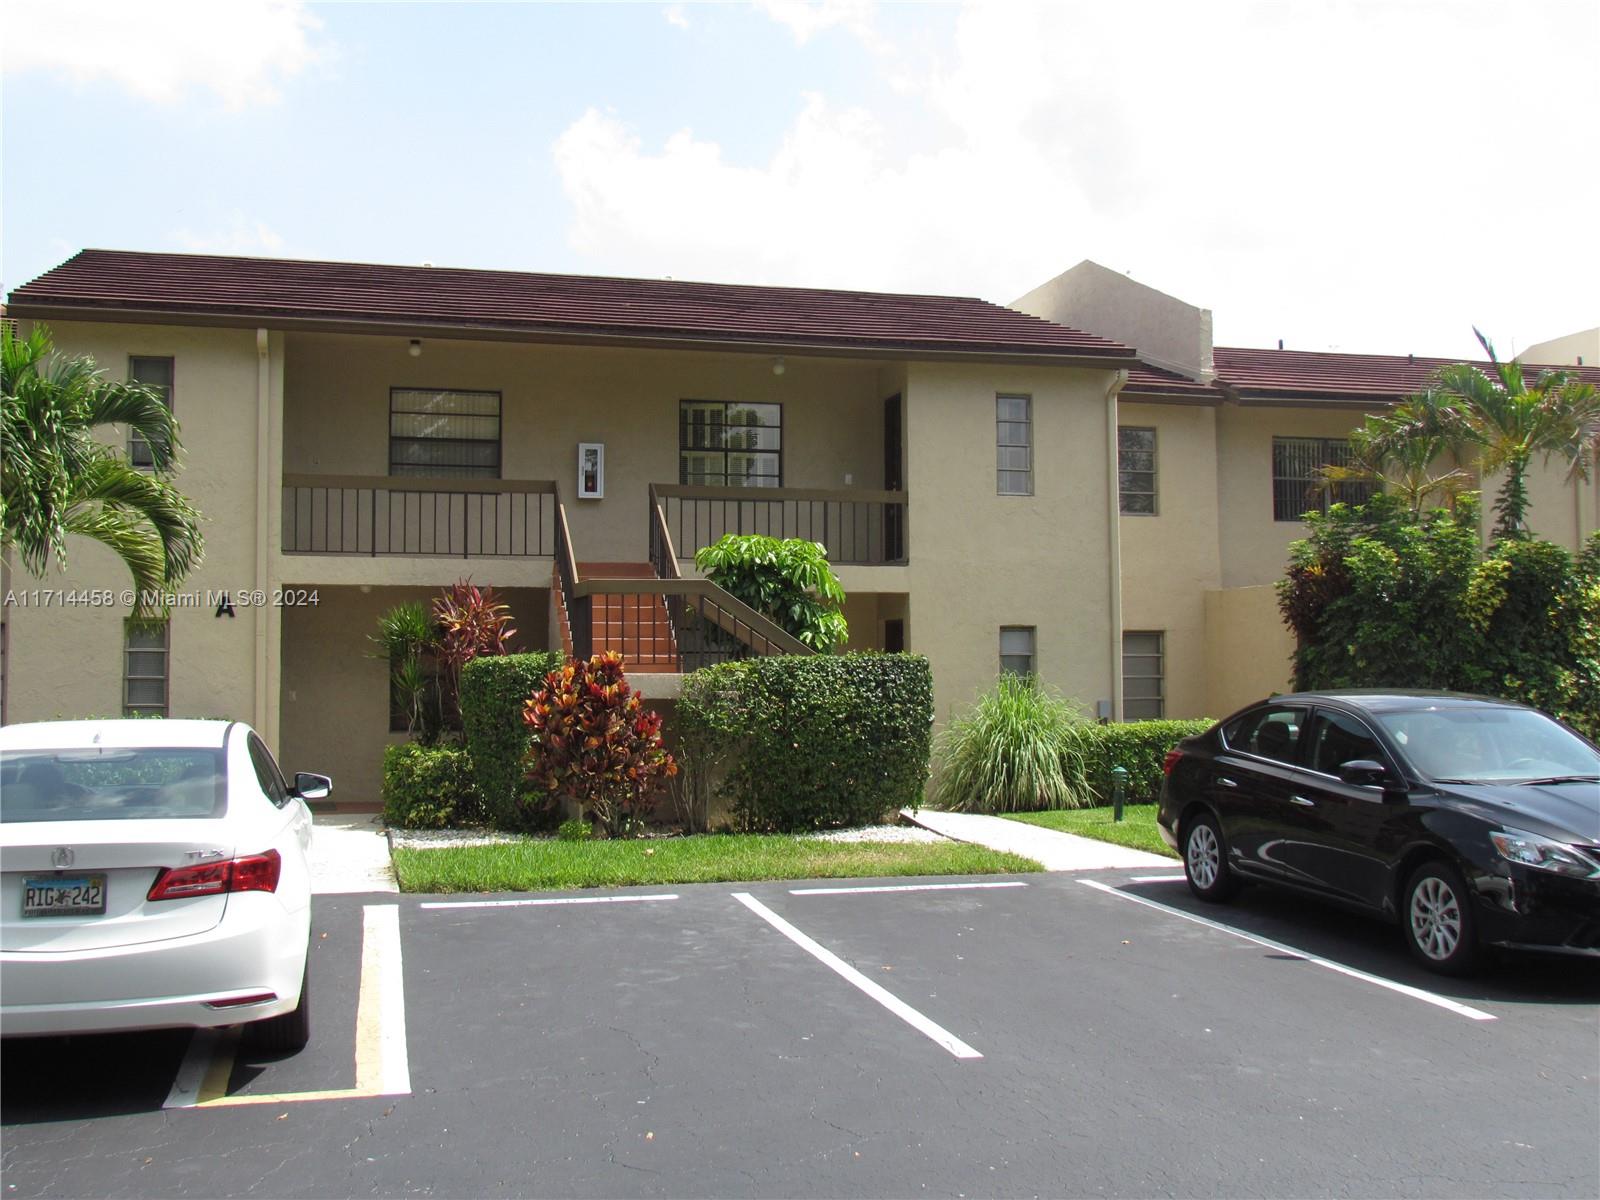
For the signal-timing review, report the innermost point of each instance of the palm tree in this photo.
(1510, 420)
(58, 480)
(1404, 451)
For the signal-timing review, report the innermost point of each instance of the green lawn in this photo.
(707, 858)
(1137, 828)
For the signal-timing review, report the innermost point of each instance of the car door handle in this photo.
(1302, 802)
(1221, 782)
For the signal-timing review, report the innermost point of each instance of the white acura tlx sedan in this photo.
(154, 877)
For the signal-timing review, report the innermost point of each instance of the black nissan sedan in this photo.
(1471, 821)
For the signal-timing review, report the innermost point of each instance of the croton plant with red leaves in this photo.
(594, 742)
(472, 623)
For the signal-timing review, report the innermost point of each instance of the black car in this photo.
(1470, 821)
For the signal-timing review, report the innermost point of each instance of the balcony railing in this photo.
(857, 527)
(384, 515)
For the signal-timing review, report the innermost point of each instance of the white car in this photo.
(154, 876)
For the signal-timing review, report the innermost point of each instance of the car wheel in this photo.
(289, 1032)
(1205, 860)
(1436, 916)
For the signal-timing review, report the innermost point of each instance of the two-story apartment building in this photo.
(993, 488)
(1218, 450)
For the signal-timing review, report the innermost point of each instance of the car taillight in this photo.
(253, 873)
(1170, 761)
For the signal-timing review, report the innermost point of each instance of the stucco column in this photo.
(1114, 538)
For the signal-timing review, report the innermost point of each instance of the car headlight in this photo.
(1531, 850)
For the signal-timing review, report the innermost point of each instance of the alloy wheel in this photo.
(1204, 855)
(1435, 918)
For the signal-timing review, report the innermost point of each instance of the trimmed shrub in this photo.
(798, 743)
(429, 787)
(1012, 752)
(1137, 746)
(494, 689)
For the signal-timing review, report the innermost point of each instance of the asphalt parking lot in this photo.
(1056, 1035)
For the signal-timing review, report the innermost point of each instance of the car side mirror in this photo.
(1365, 772)
(312, 787)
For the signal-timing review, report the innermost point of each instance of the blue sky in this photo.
(1366, 177)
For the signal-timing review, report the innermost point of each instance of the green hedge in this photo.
(429, 787)
(1137, 746)
(493, 691)
(806, 742)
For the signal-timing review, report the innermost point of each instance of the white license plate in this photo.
(64, 896)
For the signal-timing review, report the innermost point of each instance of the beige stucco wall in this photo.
(67, 661)
(1248, 648)
(335, 695)
(1169, 560)
(336, 418)
(1562, 509)
(1166, 331)
(1571, 350)
(981, 560)
(1254, 546)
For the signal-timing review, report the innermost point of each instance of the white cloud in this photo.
(807, 18)
(238, 49)
(675, 16)
(238, 235)
(1367, 176)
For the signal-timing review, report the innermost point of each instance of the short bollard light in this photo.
(1119, 789)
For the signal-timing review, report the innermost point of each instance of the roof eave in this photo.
(47, 310)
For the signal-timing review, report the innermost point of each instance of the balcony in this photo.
(859, 528)
(378, 515)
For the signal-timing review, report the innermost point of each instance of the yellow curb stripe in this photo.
(215, 1084)
(287, 1098)
(381, 1061)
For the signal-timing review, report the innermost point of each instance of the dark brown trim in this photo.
(913, 351)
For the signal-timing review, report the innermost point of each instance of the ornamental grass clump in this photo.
(593, 742)
(1016, 750)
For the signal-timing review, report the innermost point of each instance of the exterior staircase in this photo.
(637, 627)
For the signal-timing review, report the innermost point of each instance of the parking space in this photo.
(1034, 1035)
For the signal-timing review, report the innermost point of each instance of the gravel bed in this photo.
(431, 839)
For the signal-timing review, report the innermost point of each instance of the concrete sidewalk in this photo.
(1054, 850)
(349, 853)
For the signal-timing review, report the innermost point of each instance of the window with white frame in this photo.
(156, 374)
(1016, 649)
(1136, 470)
(1143, 682)
(1297, 486)
(728, 444)
(146, 660)
(444, 432)
(1013, 420)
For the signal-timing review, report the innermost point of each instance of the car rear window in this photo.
(109, 784)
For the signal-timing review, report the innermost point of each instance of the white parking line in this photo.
(901, 887)
(882, 995)
(1155, 879)
(553, 900)
(1404, 989)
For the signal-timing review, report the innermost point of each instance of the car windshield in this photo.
(107, 784)
(1487, 744)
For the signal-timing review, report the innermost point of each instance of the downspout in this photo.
(1114, 537)
(261, 613)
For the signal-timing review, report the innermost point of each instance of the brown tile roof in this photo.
(1351, 378)
(1156, 383)
(227, 290)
